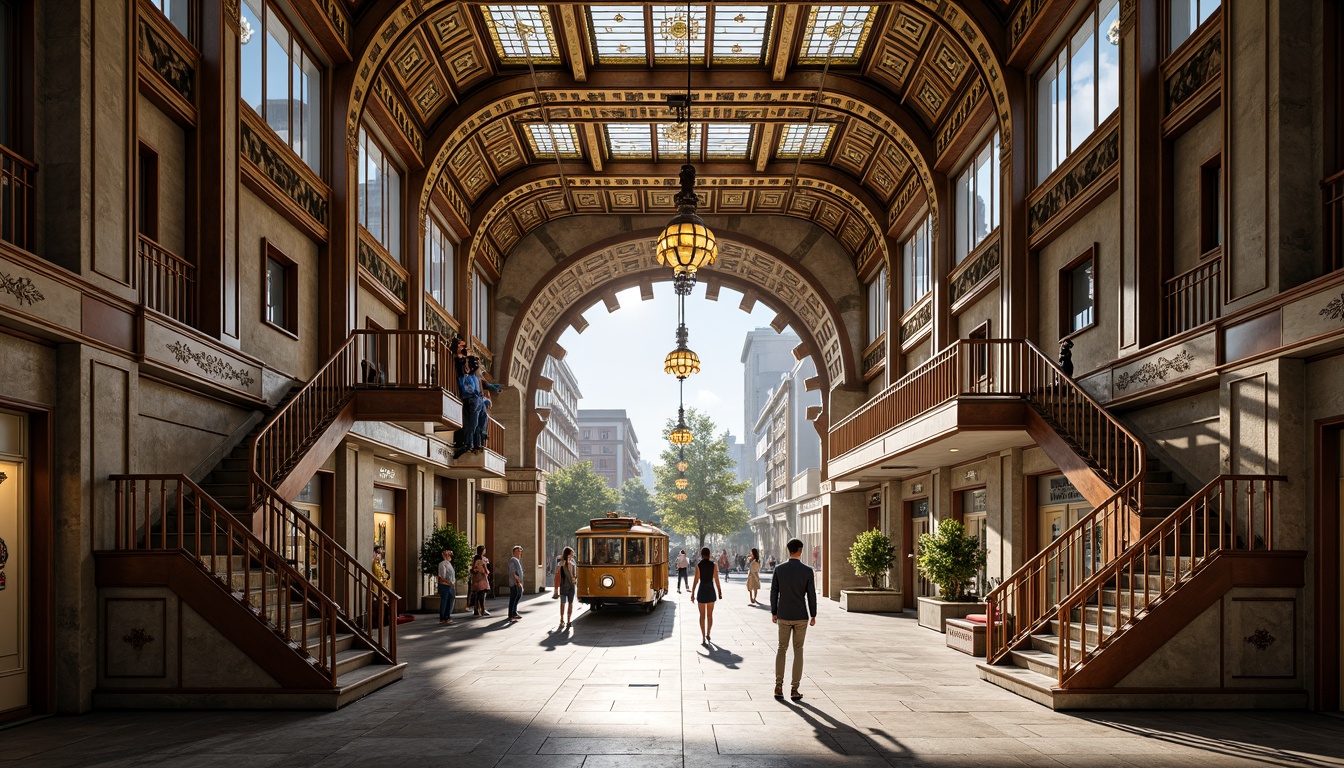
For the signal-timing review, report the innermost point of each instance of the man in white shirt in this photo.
(447, 581)
(515, 582)
(683, 563)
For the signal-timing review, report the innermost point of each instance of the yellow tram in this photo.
(622, 561)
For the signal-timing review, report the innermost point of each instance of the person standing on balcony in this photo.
(515, 582)
(473, 409)
(447, 580)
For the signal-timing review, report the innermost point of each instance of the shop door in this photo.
(14, 587)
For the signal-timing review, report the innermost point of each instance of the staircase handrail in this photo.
(1207, 514)
(210, 516)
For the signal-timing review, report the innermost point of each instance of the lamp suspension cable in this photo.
(835, 32)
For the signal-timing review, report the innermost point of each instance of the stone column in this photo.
(847, 517)
(1013, 538)
(520, 519)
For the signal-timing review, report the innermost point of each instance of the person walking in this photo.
(793, 606)
(565, 580)
(515, 582)
(447, 581)
(703, 592)
(683, 564)
(753, 574)
(479, 584)
(725, 566)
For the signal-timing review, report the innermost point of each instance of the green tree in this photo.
(575, 495)
(713, 504)
(871, 555)
(636, 501)
(431, 552)
(950, 559)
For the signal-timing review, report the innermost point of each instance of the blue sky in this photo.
(618, 359)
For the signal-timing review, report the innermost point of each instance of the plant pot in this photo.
(869, 600)
(934, 612)
(431, 603)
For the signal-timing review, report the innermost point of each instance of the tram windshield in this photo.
(603, 551)
(634, 551)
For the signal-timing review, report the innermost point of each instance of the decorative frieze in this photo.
(1202, 66)
(908, 192)
(1079, 177)
(21, 288)
(213, 366)
(334, 10)
(1334, 310)
(917, 322)
(1155, 370)
(436, 322)
(1023, 18)
(957, 118)
(276, 167)
(166, 61)
(386, 275)
(982, 265)
(399, 114)
(875, 356)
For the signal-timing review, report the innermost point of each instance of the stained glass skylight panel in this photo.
(672, 143)
(520, 30)
(566, 139)
(847, 26)
(728, 141)
(673, 31)
(617, 34)
(810, 140)
(741, 33)
(630, 140)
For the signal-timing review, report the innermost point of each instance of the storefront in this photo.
(15, 572)
(809, 531)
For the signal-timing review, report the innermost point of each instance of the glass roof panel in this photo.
(629, 140)
(518, 30)
(672, 141)
(672, 33)
(729, 140)
(566, 138)
(741, 33)
(847, 26)
(811, 140)
(617, 34)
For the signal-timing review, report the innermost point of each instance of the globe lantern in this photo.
(687, 243)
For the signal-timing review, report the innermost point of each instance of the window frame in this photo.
(923, 232)
(1168, 23)
(189, 33)
(878, 317)
(447, 271)
(1065, 52)
(1212, 227)
(269, 9)
(147, 190)
(480, 307)
(962, 219)
(1065, 299)
(390, 215)
(290, 322)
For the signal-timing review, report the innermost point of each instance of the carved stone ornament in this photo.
(1261, 639)
(4, 556)
(1127, 14)
(1335, 309)
(212, 365)
(138, 638)
(21, 288)
(972, 475)
(1155, 370)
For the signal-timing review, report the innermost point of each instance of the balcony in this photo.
(404, 376)
(17, 177)
(487, 463)
(1193, 297)
(166, 281)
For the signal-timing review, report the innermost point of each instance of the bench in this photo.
(967, 635)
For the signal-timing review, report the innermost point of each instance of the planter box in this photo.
(872, 600)
(431, 603)
(966, 636)
(934, 613)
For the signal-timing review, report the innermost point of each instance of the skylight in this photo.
(811, 141)
(566, 138)
(520, 30)
(715, 141)
(672, 33)
(741, 33)
(672, 140)
(621, 34)
(629, 140)
(845, 25)
(728, 140)
(617, 34)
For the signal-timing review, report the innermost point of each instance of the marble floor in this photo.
(628, 690)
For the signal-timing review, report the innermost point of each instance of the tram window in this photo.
(607, 551)
(634, 551)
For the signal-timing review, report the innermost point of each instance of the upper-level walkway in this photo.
(626, 690)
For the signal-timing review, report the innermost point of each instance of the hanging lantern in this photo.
(687, 244)
(682, 361)
(679, 496)
(681, 482)
(681, 436)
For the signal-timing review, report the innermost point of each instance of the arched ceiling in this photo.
(901, 81)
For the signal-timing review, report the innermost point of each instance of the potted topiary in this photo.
(431, 554)
(871, 555)
(950, 559)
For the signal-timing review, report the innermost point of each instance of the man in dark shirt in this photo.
(793, 606)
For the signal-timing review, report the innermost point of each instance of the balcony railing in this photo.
(167, 282)
(1193, 297)
(16, 199)
(1333, 222)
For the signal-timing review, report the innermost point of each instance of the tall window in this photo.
(877, 305)
(282, 290)
(1077, 294)
(1079, 88)
(1185, 17)
(978, 199)
(917, 258)
(379, 195)
(9, 71)
(280, 81)
(178, 12)
(480, 307)
(438, 264)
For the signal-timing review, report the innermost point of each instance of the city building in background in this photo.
(787, 447)
(558, 444)
(607, 439)
(766, 357)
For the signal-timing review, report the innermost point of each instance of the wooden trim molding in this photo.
(1192, 78)
(166, 65)
(1077, 186)
(969, 278)
(916, 322)
(273, 171)
(959, 129)
(875, 358)
(377, 268)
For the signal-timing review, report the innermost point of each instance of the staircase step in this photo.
(1040, 662)
(1152, 486)
(220, 477)
(231, 462)
(351, 659)
(344, 642)
(359, 683)
(1121, 598)
(1024, 682)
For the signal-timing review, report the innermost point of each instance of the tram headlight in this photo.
(608, 581)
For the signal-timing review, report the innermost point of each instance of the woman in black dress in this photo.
(703, 591)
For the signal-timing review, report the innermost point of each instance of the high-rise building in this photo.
(789, 451)
(766, 357)
(558, 444)
(607, 439)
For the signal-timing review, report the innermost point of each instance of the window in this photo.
(608, 449)
(280, 81)
(1185, 17)
(439, 264)
(977, 199)
(587, 435)
(178, 12)
(917, 258)
(147, 192)
(1077, 294)
(605, 435)
(877, 305)
(1211, 205)
(480, 308)
(810, 140)
(9, 72)
(1079, 88)
(587, 450)
(282, 291)
(379, 195)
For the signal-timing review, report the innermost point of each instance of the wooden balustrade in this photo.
(1193, 297)
(170, 513)
(17, 178)
(929, 385)
(1332, 222)
(1234, 513)
(166, 281)
(494, 436)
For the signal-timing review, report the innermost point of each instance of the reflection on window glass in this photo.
(634, 552)
(607, 551)
(279, 80)
(1080, 296)
(1186, 17)
(1079, 88)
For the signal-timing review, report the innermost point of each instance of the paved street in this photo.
(626, 690)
